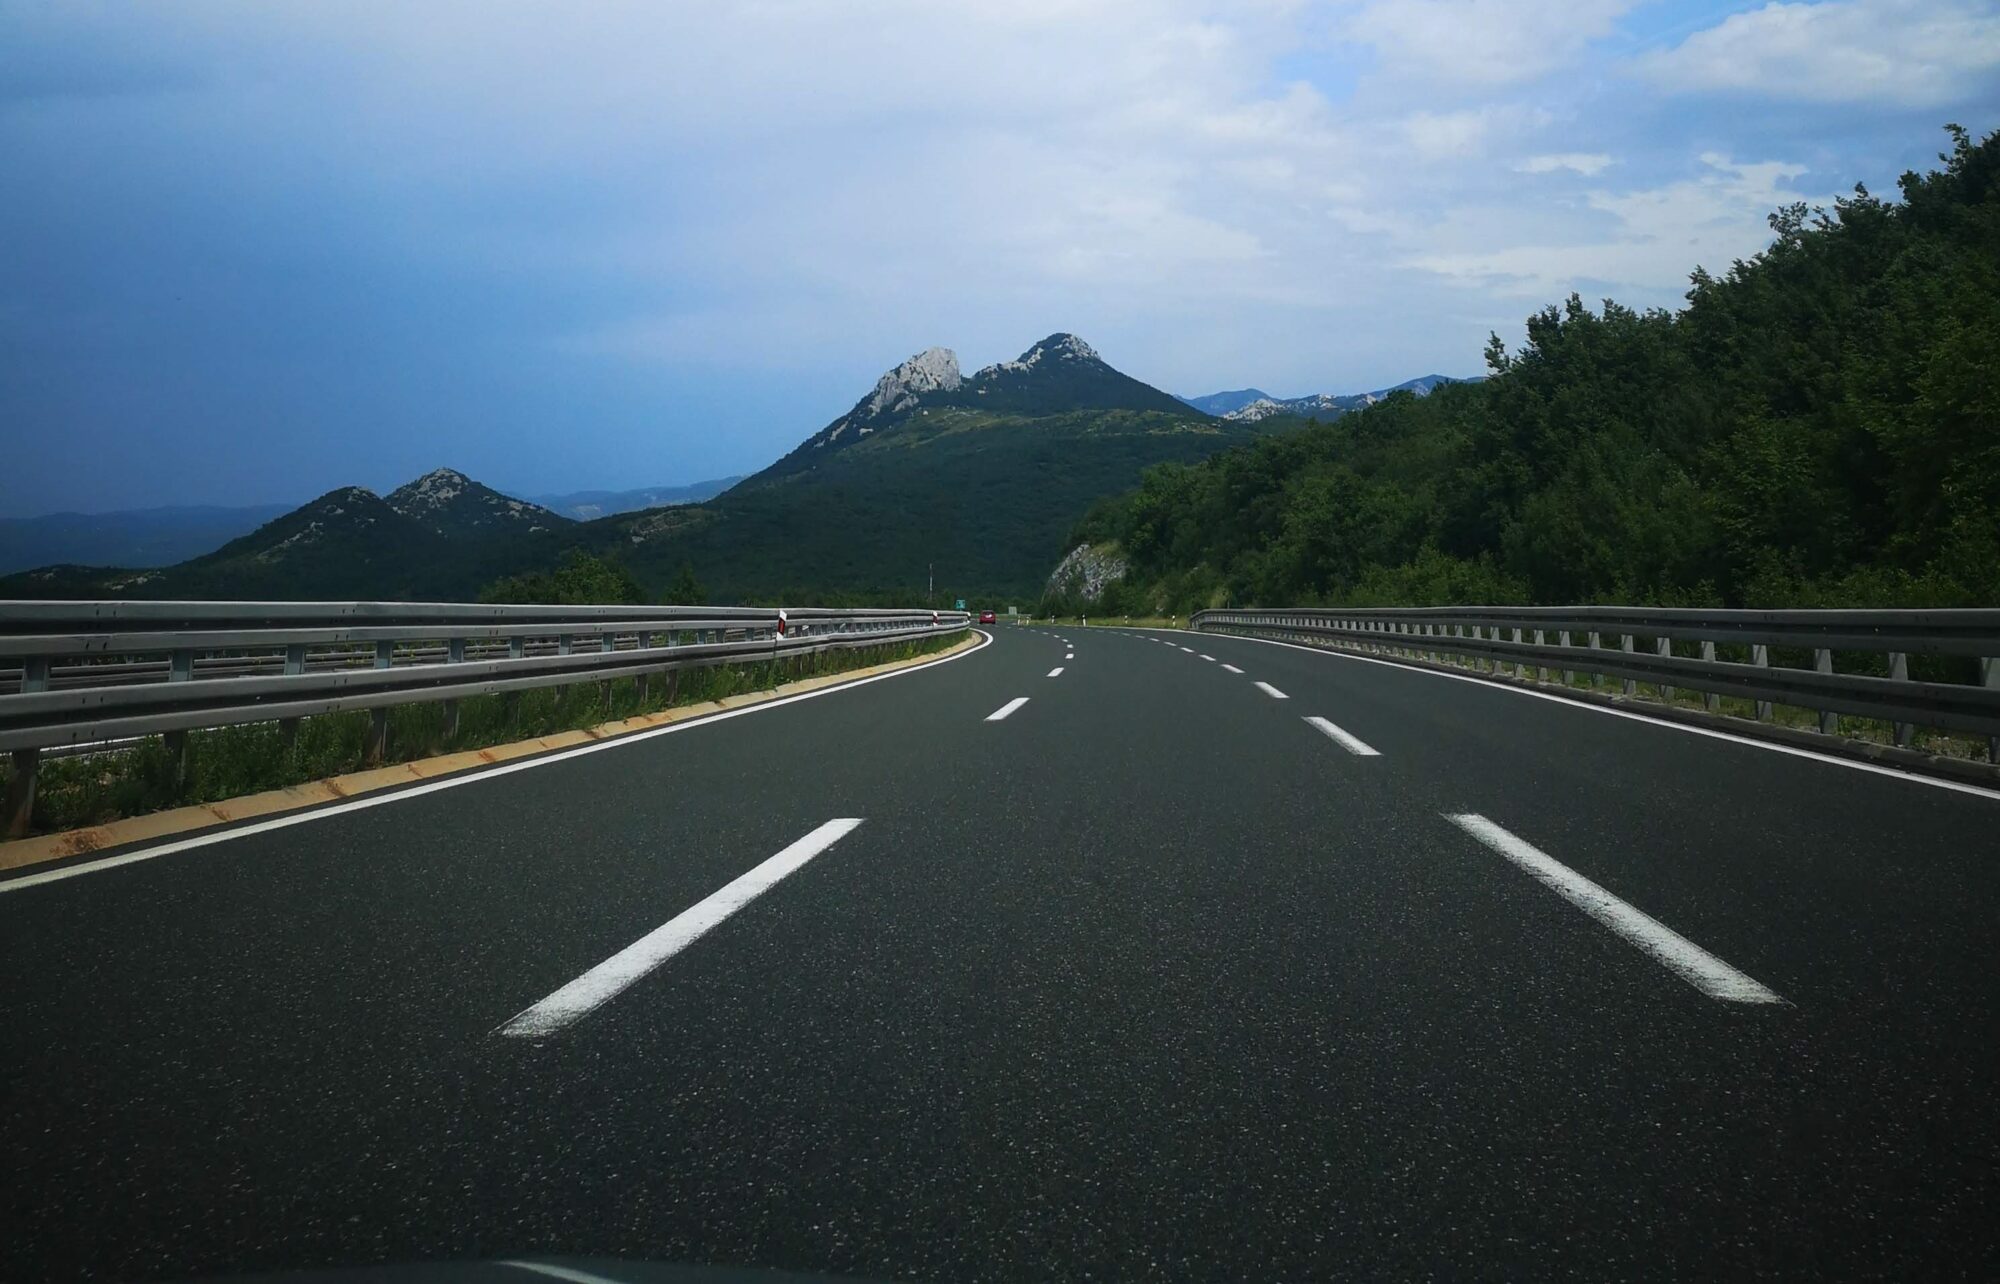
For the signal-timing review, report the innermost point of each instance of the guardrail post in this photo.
(1596, 644)
(1709, 699)
(1520, 670)
(378, 717)
(295, 662)
(516, 648)
(19, 805)
(1665, 647)
(454, 653)
(1625, 645)
(606, 642)
(1829, 722)
(1541, 670)
(1562, 640)
(1989, 675)
(18, 808)
(1899, 671)
(1760, 655)
(180, 668)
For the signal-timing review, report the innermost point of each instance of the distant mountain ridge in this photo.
(146, 538)
(977, 478)
(135, 537)
(1221, 403)
(589, 505)
(1251, 404)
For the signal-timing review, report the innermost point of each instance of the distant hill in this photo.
(588, 505)
(442, 536)
(144, 538)
(137, 537)
(1221, 403)
(448, 502)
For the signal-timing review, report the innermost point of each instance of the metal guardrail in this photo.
(1519, 638)
(88, 673)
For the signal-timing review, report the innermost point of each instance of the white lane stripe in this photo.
(1346, 740)
(1069, 655)
(1714, 733)
(1006, 708)
(1209, 658)
(1056, 672)
(1188, 649)
(605, 981)
(1669, 948)
(470, 778)
(1232, 668)
(1272, 691)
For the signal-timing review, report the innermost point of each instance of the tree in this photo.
(686, 590)
(581, 580)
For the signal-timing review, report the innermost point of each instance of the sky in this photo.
(250, 252)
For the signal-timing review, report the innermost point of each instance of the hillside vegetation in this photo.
(1818, 426)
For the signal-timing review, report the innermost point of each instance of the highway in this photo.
(1106, 954)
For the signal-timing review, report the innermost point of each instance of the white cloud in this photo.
(1270, 191)
(1588, 164)
(1482, 43)
(1913, 52)
(1657, 235)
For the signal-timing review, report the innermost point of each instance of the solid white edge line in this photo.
(1272, 691)
(1006, 708)
(1232, 668)
(1669, 948)
(453, 782)
(608, 979)
(1346, 740)
(1056, 672)
(560, 1273)
(1714, 733)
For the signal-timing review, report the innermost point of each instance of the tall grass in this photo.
(228, 762)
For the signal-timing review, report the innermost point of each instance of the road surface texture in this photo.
(1097, 954)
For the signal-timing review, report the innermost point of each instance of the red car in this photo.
(986, 617)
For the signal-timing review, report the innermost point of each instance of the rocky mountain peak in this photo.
(1057, 348)
(932, 370)
(450, 503)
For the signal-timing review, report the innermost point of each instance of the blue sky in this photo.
(249, 252)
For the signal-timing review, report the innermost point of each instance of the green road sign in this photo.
(961, 604)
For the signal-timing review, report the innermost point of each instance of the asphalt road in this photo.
(1152, 978)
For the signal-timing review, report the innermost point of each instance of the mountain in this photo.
(150, 537)
(1221, 403)
(135, 537)
(977, 477)
(1325, 405)
(448, 502)
(441, 536)
(1058, 375)
(588, 505)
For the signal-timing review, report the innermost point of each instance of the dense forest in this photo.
(1819, 426)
